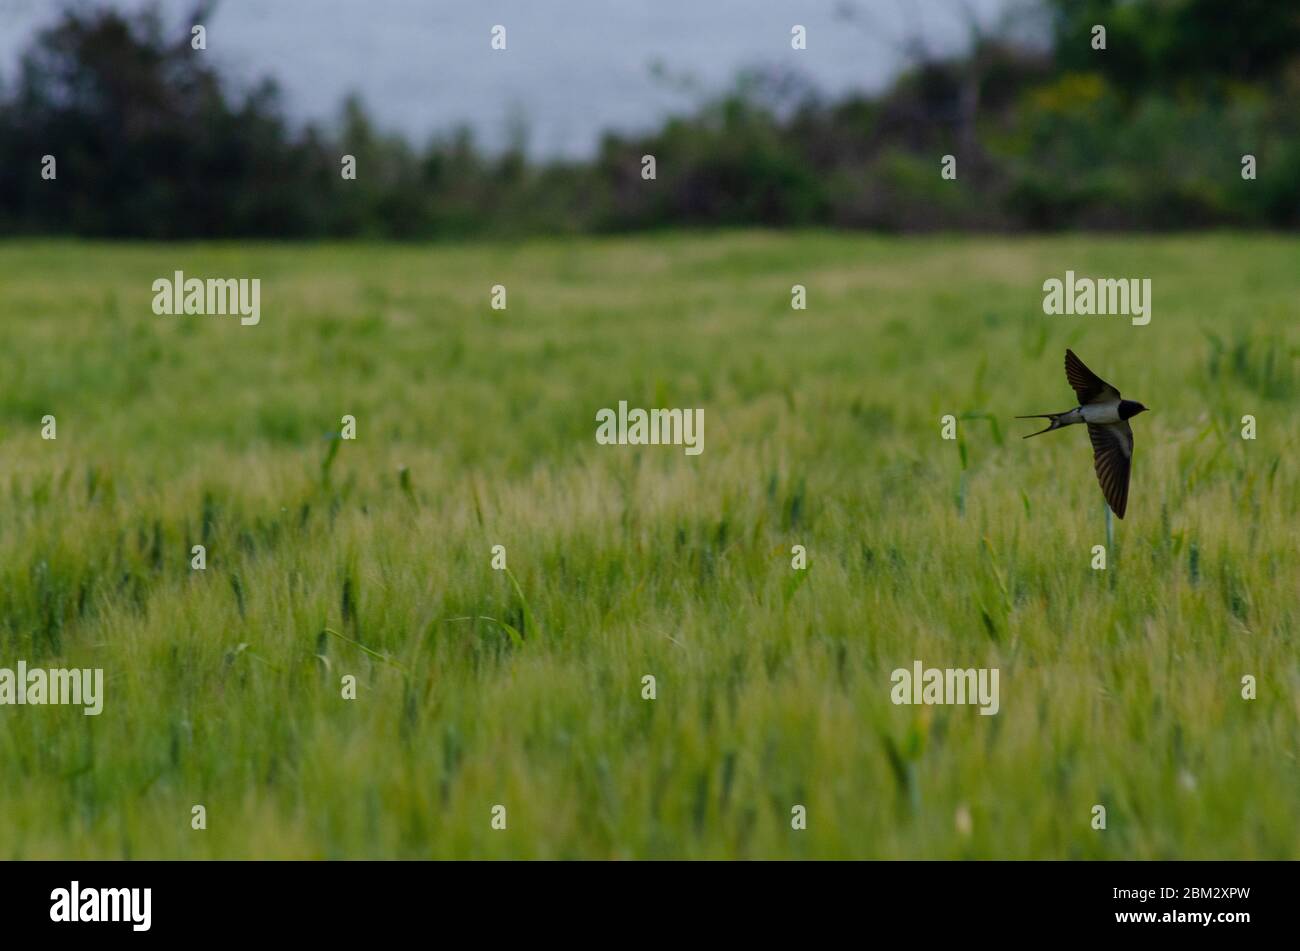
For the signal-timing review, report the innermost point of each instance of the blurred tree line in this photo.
(1148, 134)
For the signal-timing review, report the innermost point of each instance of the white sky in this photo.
(572, 67)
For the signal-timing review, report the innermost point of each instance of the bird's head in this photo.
(1130, 408)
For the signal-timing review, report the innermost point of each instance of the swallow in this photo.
(1107, 417)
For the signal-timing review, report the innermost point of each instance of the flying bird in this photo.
(1107, 417)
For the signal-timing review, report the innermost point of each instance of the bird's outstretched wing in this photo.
(1112, 455)
(1089, 387)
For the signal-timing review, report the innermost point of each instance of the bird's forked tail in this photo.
(1054, 417)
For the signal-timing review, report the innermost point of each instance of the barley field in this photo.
(477, 687)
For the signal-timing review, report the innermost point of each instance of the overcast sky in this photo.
(572, 67)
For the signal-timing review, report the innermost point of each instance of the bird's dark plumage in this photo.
(1106, 416)
(1112, 457)
(1089, 387)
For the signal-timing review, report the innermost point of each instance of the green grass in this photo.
(476, 428)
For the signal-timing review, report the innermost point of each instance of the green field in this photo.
(476, 428)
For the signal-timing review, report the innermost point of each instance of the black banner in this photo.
(1215, 901)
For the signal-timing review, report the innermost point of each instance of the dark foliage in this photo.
(150, 143)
